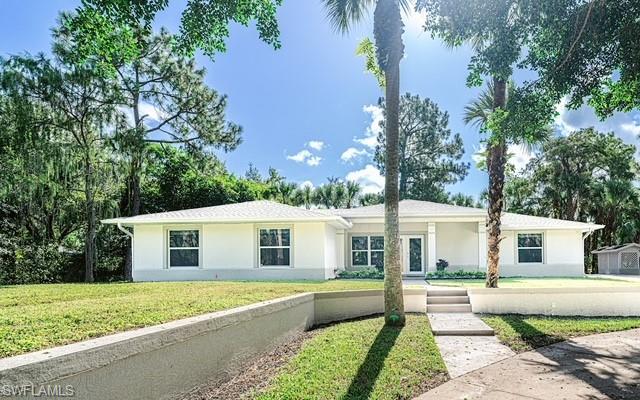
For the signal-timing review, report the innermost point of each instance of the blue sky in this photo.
(303, 106)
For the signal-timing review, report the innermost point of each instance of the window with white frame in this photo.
(530, 247)
(274, 247)
(367, 251)
(184, 248)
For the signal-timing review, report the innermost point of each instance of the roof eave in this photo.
(159, 221)
(581, 228)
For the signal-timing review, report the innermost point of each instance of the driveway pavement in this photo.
(605, 366)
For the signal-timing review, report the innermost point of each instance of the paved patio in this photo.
(605, 366)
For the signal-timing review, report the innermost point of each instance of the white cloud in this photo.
(307, 183)
(632, 128)
(151, 112)
(305, 156)
(370, 138)
(369, 178)
(519, 156)
(301, 156)
(314, 161)
(351, 154)
(147, 111)
(624, 125)
(317, 145)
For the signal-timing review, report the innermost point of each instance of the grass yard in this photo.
(35, 317)
(361, 359)
(524, 333)
(538, 282)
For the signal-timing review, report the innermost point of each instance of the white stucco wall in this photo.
(405, 227)
(229, 246)
(330, 252)
(562, 254)
(457, 242)
(230, 251)
(148, 248)
(341, 242)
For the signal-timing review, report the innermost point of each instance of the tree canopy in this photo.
(430, 154)
(586, 176)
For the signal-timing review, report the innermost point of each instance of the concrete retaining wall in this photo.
(162, 361)
(621, 301)
(338, 306)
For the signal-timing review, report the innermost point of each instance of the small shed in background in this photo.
(621, 259)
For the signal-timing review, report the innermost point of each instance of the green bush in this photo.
(34, 264)
(456, 275)
(364, 273)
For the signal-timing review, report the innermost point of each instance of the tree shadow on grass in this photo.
(362, 383)
(529, 334)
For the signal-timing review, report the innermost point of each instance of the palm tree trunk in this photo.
(388, 29)
(496, 165)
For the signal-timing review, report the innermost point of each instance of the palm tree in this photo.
(285, 193)
(323, 195)
(387, 32)
(353, 192)
(306, 196)
(477, 113)
(339, 194)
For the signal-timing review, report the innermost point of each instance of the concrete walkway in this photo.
(466, 343)
(605, 366)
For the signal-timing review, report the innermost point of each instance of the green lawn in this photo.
(538, 282)
(34, 317)
(362, 360)
(523, 332)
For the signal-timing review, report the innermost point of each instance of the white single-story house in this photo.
(264, 240)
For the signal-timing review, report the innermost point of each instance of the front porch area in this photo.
(462, 244)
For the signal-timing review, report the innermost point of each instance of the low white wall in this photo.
(541, 270)
(622, 301)
(337, 306)
(163, 361)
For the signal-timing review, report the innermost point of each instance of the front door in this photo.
(412, 254)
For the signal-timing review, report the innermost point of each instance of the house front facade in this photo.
(263, 240)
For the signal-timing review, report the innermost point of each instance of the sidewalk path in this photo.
(466, 343)
(604, 366)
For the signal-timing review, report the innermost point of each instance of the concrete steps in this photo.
(448, 300)
(449, 312)
(447, 292)
(448, 308)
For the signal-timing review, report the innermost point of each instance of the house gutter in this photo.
(123, 229)
(586, 234)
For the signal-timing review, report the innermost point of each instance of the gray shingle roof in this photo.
(261, 210)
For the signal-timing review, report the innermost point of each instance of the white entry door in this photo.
(413, 259)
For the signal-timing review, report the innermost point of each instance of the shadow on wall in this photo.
(602, 368)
